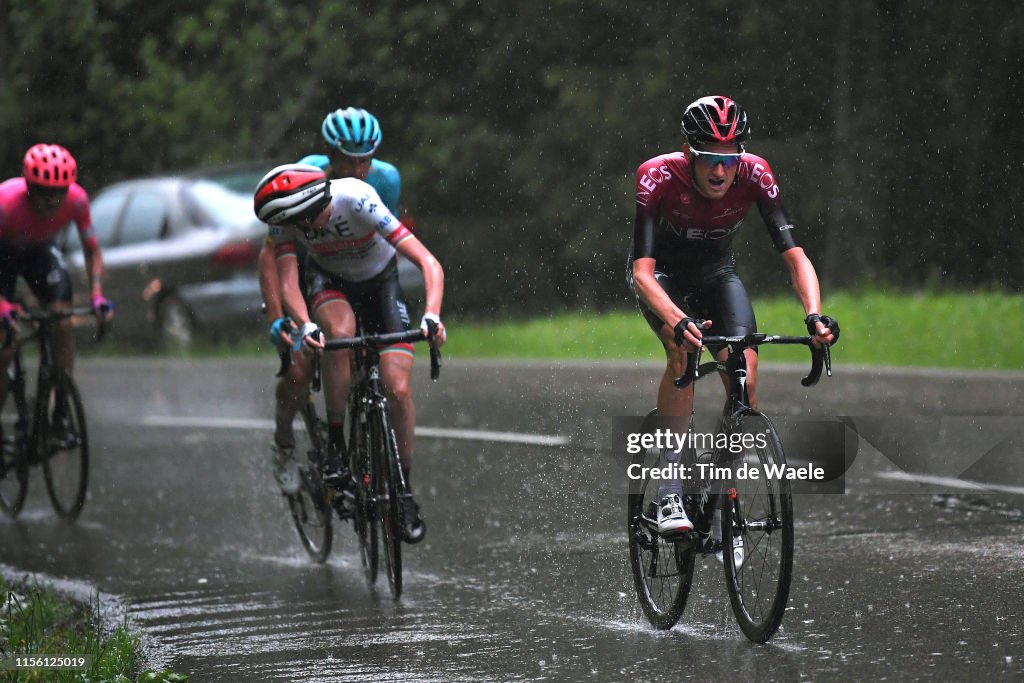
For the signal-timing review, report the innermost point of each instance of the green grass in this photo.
(36, 621)
(880, 328)
(972, 331)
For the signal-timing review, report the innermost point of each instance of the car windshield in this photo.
(222, 205)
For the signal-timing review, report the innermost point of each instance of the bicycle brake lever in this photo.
(315, 381)
(435, 351)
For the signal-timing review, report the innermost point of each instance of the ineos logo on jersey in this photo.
(764, 178)
(713, 234)
(650, 180)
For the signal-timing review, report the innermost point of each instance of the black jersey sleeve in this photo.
(779, 227)
(643, 234)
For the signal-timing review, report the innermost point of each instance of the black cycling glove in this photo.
(831, 323)
(681, 326)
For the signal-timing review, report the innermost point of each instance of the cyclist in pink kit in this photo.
(689, 206)
(34, 209)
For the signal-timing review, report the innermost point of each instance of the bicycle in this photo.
(373, 461)
(748, 520)
(29, 439)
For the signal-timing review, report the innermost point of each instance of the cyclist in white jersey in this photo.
(351, 239)
(351, 137)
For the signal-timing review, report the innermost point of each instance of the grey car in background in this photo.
(181, 256)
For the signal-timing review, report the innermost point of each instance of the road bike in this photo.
(372, 452)
(47, 429)
(747, 522)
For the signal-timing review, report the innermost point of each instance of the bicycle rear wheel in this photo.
(662, 568)
(759, 515)
(387, 495)
(64, 450)
(14, 455)
(364, 519)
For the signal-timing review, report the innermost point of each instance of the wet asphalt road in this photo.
(524, 574)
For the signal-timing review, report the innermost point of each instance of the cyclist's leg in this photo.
(672, 402)
(47, 276)
(395, 367)
(291, 393)
(383, 311)
(330, 306)
(335, 316)
(728, 304)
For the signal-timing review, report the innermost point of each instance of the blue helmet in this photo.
(354, 132)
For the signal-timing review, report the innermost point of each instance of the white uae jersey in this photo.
(359, 239)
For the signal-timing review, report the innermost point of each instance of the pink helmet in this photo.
(49, 166)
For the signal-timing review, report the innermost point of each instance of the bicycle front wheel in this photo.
(757, 524)
(309, 507)
(387, 495)
(14, 455)
(662, 567)
(63, 446)
(312, 514)
(364, 471)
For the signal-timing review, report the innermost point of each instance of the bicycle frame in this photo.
(66, 474)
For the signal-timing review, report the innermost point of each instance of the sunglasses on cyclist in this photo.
(712, 159)
(354, 149)
(42, 192)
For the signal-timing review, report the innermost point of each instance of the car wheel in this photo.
(175, 325)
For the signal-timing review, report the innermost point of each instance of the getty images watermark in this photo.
(885, 455)
(657, 448)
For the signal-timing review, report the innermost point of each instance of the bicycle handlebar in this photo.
(39, 315)
(820, 357)
(381, 340)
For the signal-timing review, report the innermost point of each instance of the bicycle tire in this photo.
(312, 515)
(65, 463)
(14, 451)
(662, 568)
(387, 490)
(364, 518)
(309, 508)
(760, 514)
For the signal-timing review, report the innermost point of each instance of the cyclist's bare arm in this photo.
(644, 282)
(433, 276)
(291, 295)
(805, 283)
(94, 268)
(270, 284)
(651, 293)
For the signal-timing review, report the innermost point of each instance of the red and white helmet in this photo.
(49, 166)
(715, 119)
(290, 193)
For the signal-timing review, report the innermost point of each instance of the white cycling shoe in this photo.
(286, 470)
(672, 519)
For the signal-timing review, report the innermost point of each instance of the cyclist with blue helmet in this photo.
(353, 136)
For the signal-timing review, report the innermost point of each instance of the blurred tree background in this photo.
(518, 129)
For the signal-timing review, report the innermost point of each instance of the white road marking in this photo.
(427, 432)
(951, 482)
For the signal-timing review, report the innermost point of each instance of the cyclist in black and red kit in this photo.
(689, 206)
